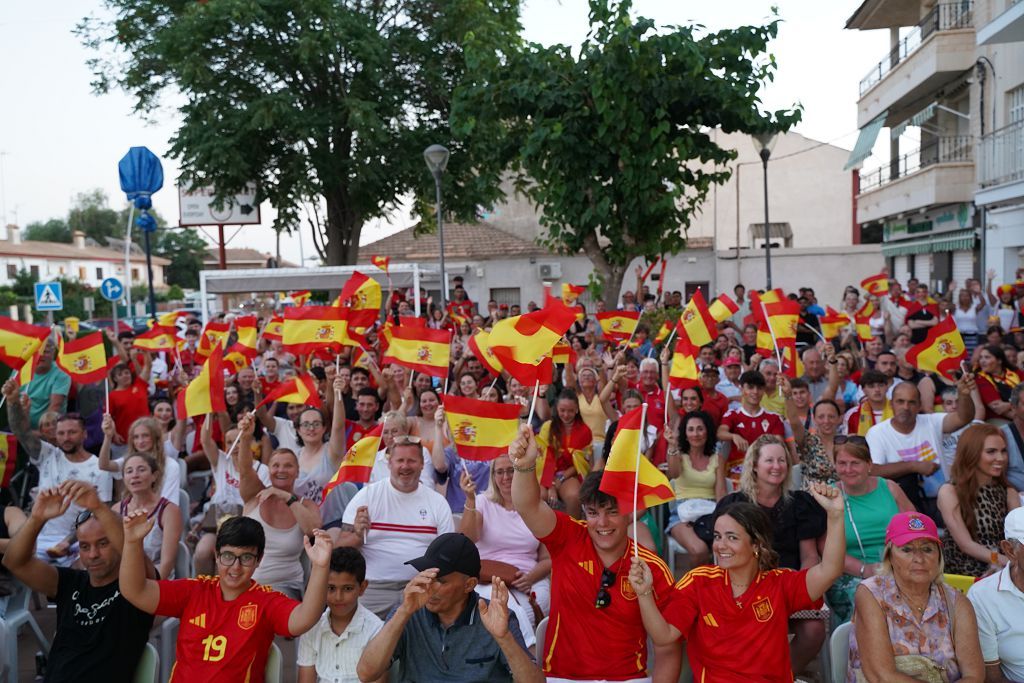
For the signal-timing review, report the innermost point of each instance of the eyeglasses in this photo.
(83, 517)
(505, 472)
(405, 440)
(855, 439)
(228, 559)
(310, 425)
(604, 598)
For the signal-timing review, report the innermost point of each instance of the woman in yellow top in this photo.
(595, 403)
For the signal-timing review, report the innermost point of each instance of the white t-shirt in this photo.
(999, 604)
(380, 470)
(226, 480)
(924, 444)
(284, 430)
(172, 476)
(402, 525)
(54, 469)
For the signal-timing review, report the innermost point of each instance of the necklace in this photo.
(906, 599)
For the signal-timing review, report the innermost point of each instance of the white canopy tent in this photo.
(403, 275)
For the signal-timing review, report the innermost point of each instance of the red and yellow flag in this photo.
(168, 319)
(792, 366)
(621, 477)
(300, 389)
(85, 358)
(214, 333)
(563, 354)
(722, 308)
(8, 458)
(571, 292)
(523, 343)
(421, 349)
(20, 341)
(783, 318)
(942, 350)
(832, 323)
(358, 461)
(481, 430)
(247, 333)
(618, 326)
(684, 372)
(381, 262)
(158, 338)
(274, 329)
(479, 346)
(876, 284)
(300, 298)
(664, 332)
(698, 323)
(205, 393)
(28, 370)
(310, 328)
(362, 294)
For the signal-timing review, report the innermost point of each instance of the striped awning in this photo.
(949, 241)
(865, 141)
(915, 120)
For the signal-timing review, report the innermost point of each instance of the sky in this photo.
(58, 139)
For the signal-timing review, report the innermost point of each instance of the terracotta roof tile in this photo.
(478, 241)
(62, 250)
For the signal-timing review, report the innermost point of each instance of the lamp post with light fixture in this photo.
(765, 142)
(436, 157)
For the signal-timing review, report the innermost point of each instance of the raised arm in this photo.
(539, 517)
(437, 448)
(377, 655)
(18, 418)
(210, 449)
(136, 588)
(660, 631)
(966, 394)
(105, 463)
(20, 557)
(821, 576)
(305, 616)
(472, 524)
(494, 616)
(249, 484)
(337, 444)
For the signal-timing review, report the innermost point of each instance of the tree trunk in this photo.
(343, 229)
(611, 275)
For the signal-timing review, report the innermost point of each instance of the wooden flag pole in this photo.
(636, 476)
(533, 404)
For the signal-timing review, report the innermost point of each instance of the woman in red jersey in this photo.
(735, 615)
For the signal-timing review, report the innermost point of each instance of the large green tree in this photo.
(326, 104)
(186, 249)
(613, 141)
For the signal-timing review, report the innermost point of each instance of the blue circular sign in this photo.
(112, 289)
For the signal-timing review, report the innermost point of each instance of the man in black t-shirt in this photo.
(100, 635)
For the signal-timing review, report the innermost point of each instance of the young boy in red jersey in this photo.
(227, 622)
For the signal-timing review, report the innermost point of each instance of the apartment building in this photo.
(947, 93)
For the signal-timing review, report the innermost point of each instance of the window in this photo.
(82, 273)
(1015, 98)
(503, 295)
(691, 288)
(34, 270)
(12, 271)
(99, 273)
(135, 273)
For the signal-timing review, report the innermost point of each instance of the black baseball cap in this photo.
(450, 553)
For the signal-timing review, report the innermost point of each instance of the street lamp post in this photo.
(765, 142)
(436, 157)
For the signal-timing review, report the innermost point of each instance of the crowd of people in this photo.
(858, 489)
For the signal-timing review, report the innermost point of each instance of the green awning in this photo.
(865, 141)
(959, 240)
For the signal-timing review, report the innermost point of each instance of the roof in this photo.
(875, 14)
(63, 250)
(242, 256)
(477, 241)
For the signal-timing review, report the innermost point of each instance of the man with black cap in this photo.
(443, 630)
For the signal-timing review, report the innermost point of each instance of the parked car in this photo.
(93, 324)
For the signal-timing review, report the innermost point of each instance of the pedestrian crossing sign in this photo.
(49, 296)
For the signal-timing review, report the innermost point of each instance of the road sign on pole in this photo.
(112, 289)
(49, 296)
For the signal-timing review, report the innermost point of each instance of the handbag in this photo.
(503, 570)
(918, 667)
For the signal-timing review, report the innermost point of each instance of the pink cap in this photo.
(910, 526)
(732, 361)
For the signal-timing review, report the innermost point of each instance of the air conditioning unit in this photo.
(550, 271)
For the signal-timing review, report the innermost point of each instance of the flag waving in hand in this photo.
(85, 358)
(523, 343)
(942, 350)
(621, 477)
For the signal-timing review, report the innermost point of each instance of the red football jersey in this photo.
(585, 642)
(220, 640)
(738, 640)
(749, 427)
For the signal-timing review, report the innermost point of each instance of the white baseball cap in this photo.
(1013, 526)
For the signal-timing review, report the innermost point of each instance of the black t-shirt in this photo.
(100, 635)
(793, 521)
(919, 334)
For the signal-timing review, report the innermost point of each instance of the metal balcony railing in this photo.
(944, 17)
(1001, 156)
(945, 150)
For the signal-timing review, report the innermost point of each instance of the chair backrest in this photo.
(839, 649)
(272, 673)
(149, 665)
(541, 631)
(183, 562)
(959, 581)
(184, 502)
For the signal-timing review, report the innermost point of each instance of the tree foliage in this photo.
(186, 250)
(613, 143)
(326, 104)
(53, 230)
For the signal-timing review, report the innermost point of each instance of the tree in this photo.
(53, 230)
(91, 213)
(326, 104)
(613, 144)
(186, 249)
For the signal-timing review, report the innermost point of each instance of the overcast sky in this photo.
(58, 139)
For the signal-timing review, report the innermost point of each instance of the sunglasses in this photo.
(83, 517)
(604, 598)
(406, 440)
(855, 439)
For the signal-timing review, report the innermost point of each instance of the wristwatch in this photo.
(293, 499)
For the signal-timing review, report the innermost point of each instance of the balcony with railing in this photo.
(941, 171)
(941, 45)
(1001, 164)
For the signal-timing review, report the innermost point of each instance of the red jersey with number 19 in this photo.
(582, 641)
(743, 639)
(220, 640)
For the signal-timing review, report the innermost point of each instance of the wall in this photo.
(51, 269)
(1004, 242)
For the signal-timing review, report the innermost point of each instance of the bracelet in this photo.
(466, 508)
(644, 595)
(994, 558)
(531, 468)
(862, 571)
(674, 452)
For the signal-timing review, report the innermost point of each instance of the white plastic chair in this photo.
(183, 563)
(149, 666)
(540, 632)
(183, 504)
(672, 550)
(839, 650)
(272, 672)
(18, 615)
(168, 641)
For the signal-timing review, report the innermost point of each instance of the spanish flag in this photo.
(783, 318)
(523, 343)
(700, 326)
(455, 315)
(300, 298)
(274, 329)
(421, 349)
(481, 430)
(28, 370)
(563, 354)
(247, 333)
(876, 284)
(85, 358)
(832, 323)
(942, 350)
(205, 393)
(792, 366)
(8, 458)
(480, 347)
(381, 262)
(168, 319)
(20, 341)
(158, 338)
(309, 328)
(863, 324)
(722, 308)
(618, 326)
(358, 461)
(664, 332)
(362, 294)
(571, 292)
(213, 334)
(684, 372)
(300, 389)
(621, 478)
